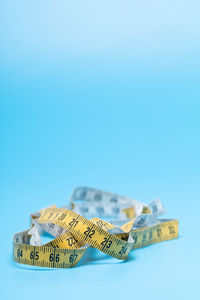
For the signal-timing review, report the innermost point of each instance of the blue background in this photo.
(104, 94)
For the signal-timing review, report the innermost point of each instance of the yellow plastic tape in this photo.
(67, 250)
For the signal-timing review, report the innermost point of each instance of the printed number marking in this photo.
(71, 241)
(123, 250)
(89, 232)
(171, 229)
(53, 258)
(62, 217)
(144, 237)
(73, 223)
(159, 232)
(106, 243)
(34, 255)
(135, 238)
(73, 258)
(19, 252)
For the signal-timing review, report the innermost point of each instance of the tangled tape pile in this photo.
(83, 223)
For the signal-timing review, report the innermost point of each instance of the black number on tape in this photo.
(19, 252)
(106, 243)
(34, 255)
(144, 237)
(53, 257)
(62, 217)
(123, 250)
(135, 238)
(73, 223)
(72, 258)
(89, 232)
(71, 241)
(57, 257)
(159, 232)
(171, 229)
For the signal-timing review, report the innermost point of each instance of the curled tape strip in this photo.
(131, 224)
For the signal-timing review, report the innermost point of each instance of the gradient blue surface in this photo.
(104, 94)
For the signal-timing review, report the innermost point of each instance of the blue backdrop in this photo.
(104, 94)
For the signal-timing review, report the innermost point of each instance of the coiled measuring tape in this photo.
(131, 225)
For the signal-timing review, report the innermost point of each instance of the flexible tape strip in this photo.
(89, 202)
(50, 256)
(162, 231)
(66, 250)
(45, 256)
(85, 230)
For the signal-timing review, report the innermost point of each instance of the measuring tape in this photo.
(74, 233)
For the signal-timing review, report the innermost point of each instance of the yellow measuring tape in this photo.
(78, 233)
